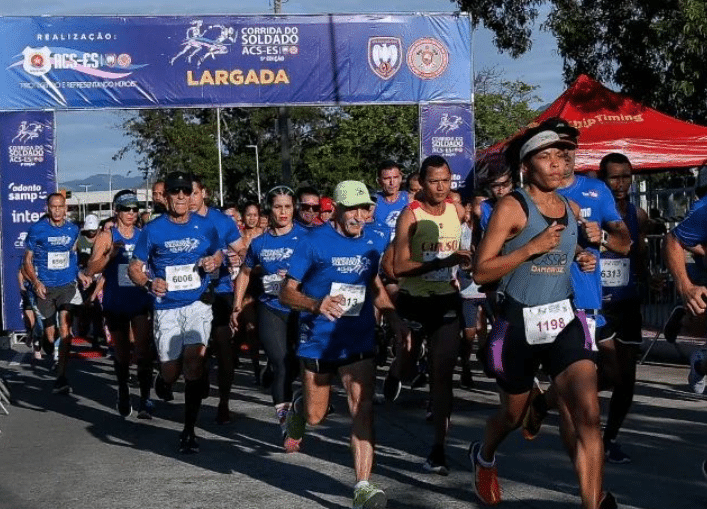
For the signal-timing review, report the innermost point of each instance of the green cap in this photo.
(350, 193)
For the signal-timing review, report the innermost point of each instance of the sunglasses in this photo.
(309, 208)
(177, 190)
(128, 209)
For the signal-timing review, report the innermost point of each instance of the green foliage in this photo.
(654, 50)
(501, 107)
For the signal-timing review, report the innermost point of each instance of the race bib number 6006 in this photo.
(182, 277)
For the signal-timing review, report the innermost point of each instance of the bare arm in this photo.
(694, 297)
(101, 254)
(329, 306)
(240, 287)
(619, 239)
(29, 271)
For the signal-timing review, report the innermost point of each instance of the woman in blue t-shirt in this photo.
(268, 258)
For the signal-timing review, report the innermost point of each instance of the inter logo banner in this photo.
(27, 176)
(137, 62)
(448, 130)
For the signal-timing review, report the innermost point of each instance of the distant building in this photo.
(100, 203)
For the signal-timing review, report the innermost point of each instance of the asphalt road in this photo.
(76, 452)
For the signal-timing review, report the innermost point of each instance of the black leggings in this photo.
(278, 331)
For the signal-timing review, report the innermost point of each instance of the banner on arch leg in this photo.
(27, 176)
(448, 130)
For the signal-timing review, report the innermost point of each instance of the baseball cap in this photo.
(177, 180)
(561, 127)
(326, 204)
(90, 223)
(350, 193)
(534, 141)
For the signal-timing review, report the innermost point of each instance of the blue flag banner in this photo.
(448, 130)
(27, 176)
(146, 62)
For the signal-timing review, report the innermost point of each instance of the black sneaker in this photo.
(188, 443)
(145, 409)
(61, 385)
(163, 390)
(614, 454)
(391, 387)
(436, 462)
(607, 501)
(124, 406)
(673, 324)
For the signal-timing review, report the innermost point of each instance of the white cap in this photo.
(543, 140)
(90, 222)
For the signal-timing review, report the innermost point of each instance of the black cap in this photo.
(177, 180)
(561, 127)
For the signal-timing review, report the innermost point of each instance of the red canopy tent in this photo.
(611, 122)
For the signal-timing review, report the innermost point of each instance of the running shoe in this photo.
(223, 414)
(607, 501)
(145, 408)
(436, 462)
(163, 390)
(124, 406)
(485, 478)
(535, 413)
(295, 425)
(704, 468)
(694, 378)
(188, 443)
(368, 496)
(61, 385)
(614, 454)
(391, 387)
(282, 420)
(673, 324)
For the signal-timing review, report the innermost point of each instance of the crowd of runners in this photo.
(412, 275)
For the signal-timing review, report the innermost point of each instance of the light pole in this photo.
(257, 168)
(85, 205)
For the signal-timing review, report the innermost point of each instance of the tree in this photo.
(652, 49)
(501, 107)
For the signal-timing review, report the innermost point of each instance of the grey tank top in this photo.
(544, 278)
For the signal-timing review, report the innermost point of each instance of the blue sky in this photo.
(88, 140)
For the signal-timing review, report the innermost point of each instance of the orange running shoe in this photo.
(485, 478)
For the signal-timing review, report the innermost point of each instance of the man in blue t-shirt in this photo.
(51, 265)
(178, 250)
(231, 243)
(333, 280)
(390, 200)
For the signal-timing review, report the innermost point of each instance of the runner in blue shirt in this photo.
(125, 306)
(231, 244)
(179, 250)
(268, 259)
(333, 280)
(390, 200)
(51, 265)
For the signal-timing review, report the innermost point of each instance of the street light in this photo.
(85, 190)
(257, 168)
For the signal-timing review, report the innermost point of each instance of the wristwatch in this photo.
(148, 285)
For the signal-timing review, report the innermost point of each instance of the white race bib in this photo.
(615, 272)
(354, 295)
(58, 260)
(272, 283)
(544, 323)
(444, 274)
(123, 278)
(182, 277)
